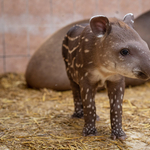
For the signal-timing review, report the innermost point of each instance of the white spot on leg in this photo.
(86, 96)
(90, 62)
(86, 51)
(89, 106)
(87, 90)
(120, 88)
(86, 74)
(118, 106)
(86, 40)
(78, 103)
(111, 101)
(121, 96)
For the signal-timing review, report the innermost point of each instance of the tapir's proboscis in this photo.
(103, 53)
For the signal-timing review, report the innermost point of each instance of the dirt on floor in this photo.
(41, 119)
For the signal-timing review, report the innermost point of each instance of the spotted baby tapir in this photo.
(103, 53)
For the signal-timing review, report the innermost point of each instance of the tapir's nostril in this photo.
(141, 75)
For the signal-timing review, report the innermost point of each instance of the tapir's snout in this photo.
(141, 65)
(141, 74)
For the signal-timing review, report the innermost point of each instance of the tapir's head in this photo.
(121, 49)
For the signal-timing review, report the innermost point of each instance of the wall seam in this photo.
(51, 15)
(28, 37)
(3, 37)
(140, 11)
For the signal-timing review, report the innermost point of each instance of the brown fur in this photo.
(101, 54)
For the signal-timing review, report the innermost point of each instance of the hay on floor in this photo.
(41, 119)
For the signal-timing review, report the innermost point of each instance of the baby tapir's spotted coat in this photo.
(99, 54)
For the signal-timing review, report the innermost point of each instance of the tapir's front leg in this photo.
(116, 93)
(87, 95)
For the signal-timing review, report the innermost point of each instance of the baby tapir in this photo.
(102, 53)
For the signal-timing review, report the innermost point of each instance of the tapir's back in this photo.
(71, 41)
(76, 30)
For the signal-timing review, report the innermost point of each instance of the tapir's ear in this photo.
(99, 25)
(129, 19)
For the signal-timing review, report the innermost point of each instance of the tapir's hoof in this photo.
(92, 134)
(89, 134)
(89, 131)
(121, 138)
(77, 115)
(97, 118)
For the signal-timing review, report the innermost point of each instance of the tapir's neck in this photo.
(97, 60)
(102, 74)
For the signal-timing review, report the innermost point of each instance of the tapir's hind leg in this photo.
(78, 106)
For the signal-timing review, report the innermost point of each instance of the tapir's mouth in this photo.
(141, 75)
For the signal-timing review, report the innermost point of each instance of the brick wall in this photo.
(25, 24)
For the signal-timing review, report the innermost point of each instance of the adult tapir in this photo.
(46, 68)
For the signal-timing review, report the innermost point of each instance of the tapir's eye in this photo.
(124, 52)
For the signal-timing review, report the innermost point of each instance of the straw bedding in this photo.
(41, 119)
